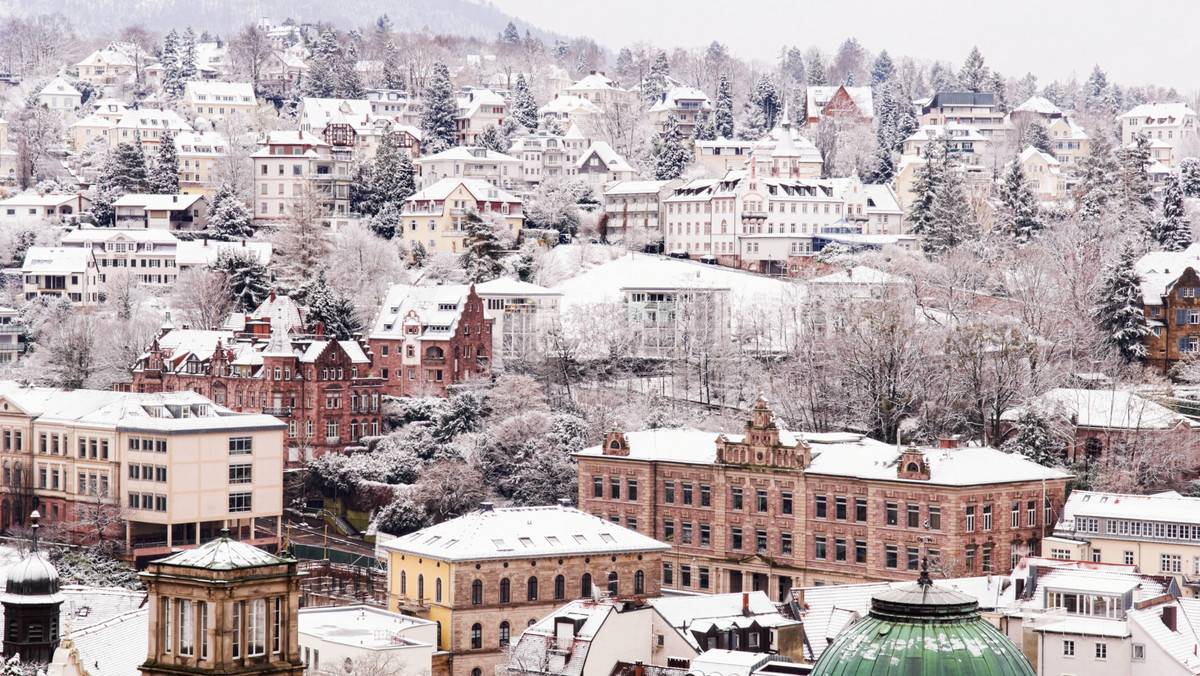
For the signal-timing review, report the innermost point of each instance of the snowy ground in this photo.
(9, 555)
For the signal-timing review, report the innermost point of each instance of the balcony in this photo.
(12, 328)
(333, 441)
(434, 361)
(278, 411)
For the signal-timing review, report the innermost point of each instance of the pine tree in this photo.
(393, 71)
(441, 107)
(163, 176)
(419, 254)
(704, 131)
(1026, 88)
(525, 108)
(624, 62)
(1036, 136)
(481, 250)
(669, 153)
(654, 85)
(228, 217)
(1019, 212)
(1118, 314)
(1189, 176)
(322, 79)
(895, 122)
(1173, 231)
(387, 221)
(974, 75)
(393, 179)
(511, 35)
(1099, 173)
(940, 213)
(818, 76)
(999, 91)
(882, 71)
(333, 311)
(350, 84)
(129, 168)
(172, 76)
(762, 108)
(1094, 89)
(723, 110)
(1135, 194)
(581, 64)
(1033, 440)
(492, 139)
(187, 56)
(249, 281)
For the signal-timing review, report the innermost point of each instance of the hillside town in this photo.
(315, 328)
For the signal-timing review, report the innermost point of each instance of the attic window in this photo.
(1086, 498)
(607, 538)
(500, 544)
(449, 544)
(552, 540)
(528, 542)
(433, 539)
(447, 306)
(387, 327)
(581, 540)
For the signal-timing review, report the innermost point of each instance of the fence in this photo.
(338, 584)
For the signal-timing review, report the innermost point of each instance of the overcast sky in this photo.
(1135, 42)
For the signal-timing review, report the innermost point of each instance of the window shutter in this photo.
(1183, 342)
(1181, 316)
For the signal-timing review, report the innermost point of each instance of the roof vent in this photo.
(487, 507)
(565, 503)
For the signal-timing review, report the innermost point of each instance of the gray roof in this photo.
(223, 553)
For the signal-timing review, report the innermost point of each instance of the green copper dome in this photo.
(922, 630)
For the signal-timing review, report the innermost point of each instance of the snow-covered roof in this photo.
(464, 154)
(223, 553)
(55, 260)
(1104, 409)
(818, 97)
(506, 287)
(150, 117)
(200, 142)
(159, 202)
(956, 130)
(107, 56)
(1161, 113)
(205, 252)
(528, 532)
(1039, 105)
(93, 120)
(635, 188)
(436, 308)
(90, 235)
(675, 96)
(292, 137)
(1165, 507)
(33, 199)
(592, 82)
(569, 104)
(359, 626)
(1181, 644)
(1030, 152)
(469, 105)
(859, 274)
(1159, 270)
(607, 155)
(481, 190)
(60, 87)
(204, 91)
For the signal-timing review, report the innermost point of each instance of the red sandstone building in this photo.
(768, 510)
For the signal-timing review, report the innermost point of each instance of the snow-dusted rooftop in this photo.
(1105, 409)
(481, 190)
(159, 202)
(56, 260)
(205, 252)
(1163, 507)
(1160, 269)
(1039, 105)
(635, 188)
(1181, 644)
(528, 532)
(507, 287)
(437, 310)
(222, 553)
(360, 626)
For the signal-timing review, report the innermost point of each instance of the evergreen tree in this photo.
(362, 175)
(511, 36)
(996, 87)
(1026, 88)
(1094, 89)
(704, 131)
(249, 281)
(818, 76)
(481, 250)
(974, 75)
(895, 121)
(624, 63)
(1135, 194)
(333, 311)
(441, 107)
(1118, 314)
(882, 71)
(723, 110)
(393, 179)
(1033, 440)
(393, 71)
(172, 76)
(1019, 213)
(762, 108)
(1173, 231)
(525, 108)
(1189, 176)
(350, 85)
(1099, 173)
(419, 254)
(940, 213)
(492, 139)
(669, 153)
(387, 221)
(654, 85)
(128, 168)
(228, 217)
(187, 56)
(1036, 136)
(322, 79)
(581, 64)
(163, 177)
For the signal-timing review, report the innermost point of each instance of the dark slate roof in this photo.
(961, 99)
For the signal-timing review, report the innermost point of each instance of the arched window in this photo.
(439, 635)
(476, 636)
(403, 582)
(421, 587)
(560, 587)
(434, 352)
(912, 467)
(532, 592)
(531, 622)
(612, 583)
(615, 444)
(437, 590)
(585, 585)
(639, 582)
(476, 672)
(7, 473)
(477, 592)
(505, 591)
(504, 633)
(354, 429)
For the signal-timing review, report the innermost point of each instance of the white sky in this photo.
(1134, 42)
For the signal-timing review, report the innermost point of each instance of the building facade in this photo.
(767, 510)
(292, 165)
(434, 217)
(61, 272)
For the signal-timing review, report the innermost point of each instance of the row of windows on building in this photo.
(685, 576)
(256, 625)
(726, 206)
(504, 589)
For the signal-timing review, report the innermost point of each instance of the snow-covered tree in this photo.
(228, 217)
(1189, 176)
(128, 168)
(386, 222)
(1026, 88)
(1098, 176)
(162, 177)
(481, 250)
(441, 108)
(202, 298)
(654, 85)
(624, 63)
(333, 311)
(187, 55)
(1135, 194)
(393, 70)
(895, 121)
(321, 81)
(1037, 136)
(1173, 232)
(723, 109)
(762, 108)
(1033, 440)
(492, 138)
(940, 213)
(349, 83)
(555, 205)
(249, 280)
(974, 76)
(818, 76)
(172, 78)
(670, 154)
(393, 178)
(401, 517)
(1118, 313)
(525, 108)
(1019, 207)
(511, 36)
(882, 70)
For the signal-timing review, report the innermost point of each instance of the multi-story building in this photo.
(152, 470)
(434, 216)
(668, 317)
(600, 166)
(61, 272)
(570, 110)
(479, 164)
(523, 316)
(635, 210)
(971, 109)
(855, 104)
(162, 212)
(395, 105)
(60, 96)
(294, 164)
(598, 89)
(967, 144)
(427, 338)
(1070, 141)
(767, 510)
(148, 126)
(722, 155)
(149, 255)
(1171, 304)
(212, 100)
(546, 156)
(687, 105)
(327, 391)
(1160, 534)
(91, 128)
(1044, 173)
(105, 67)
(198, 153)
(12, 335)
(487, 575)
(1171, 123)
(28, 207)
(478, 109)
(366, 638)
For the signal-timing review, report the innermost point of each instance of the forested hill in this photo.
(451, 17)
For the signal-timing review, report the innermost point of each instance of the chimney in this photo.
(174, 198)
(319, 330)
(565, 503)
(206, 242)
(746, 604)
(638, 669)
(487, 507)
(948, 442)
(1168, 617)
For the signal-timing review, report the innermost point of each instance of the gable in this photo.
(10, 407)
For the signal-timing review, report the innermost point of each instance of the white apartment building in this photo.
(54, 272)
(688, 106)
(148, 126)
(286, 162)
(478, 109)
(60, 95)
(336, 639)
(546, 156)
(162, 212)
(972, 109)
(1171, 123)
(199, 153)
(147, 254)
(524, 315)
(635, 210)
(596, 88)
(498, 169)
(33, 206)
(219, 99)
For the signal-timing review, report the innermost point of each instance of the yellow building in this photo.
(1070, 141)
(434, 216)
(1044, 174)
(156, 471)
(1160, 534)
(487, 575)
(199, 153)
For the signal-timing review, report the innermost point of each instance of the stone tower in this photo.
(226, 608)
(31, 606)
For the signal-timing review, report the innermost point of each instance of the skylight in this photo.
(528, 542)
(581, 540)
(607, 538)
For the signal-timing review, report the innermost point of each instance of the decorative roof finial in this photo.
(35, 517)
(923, 579)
